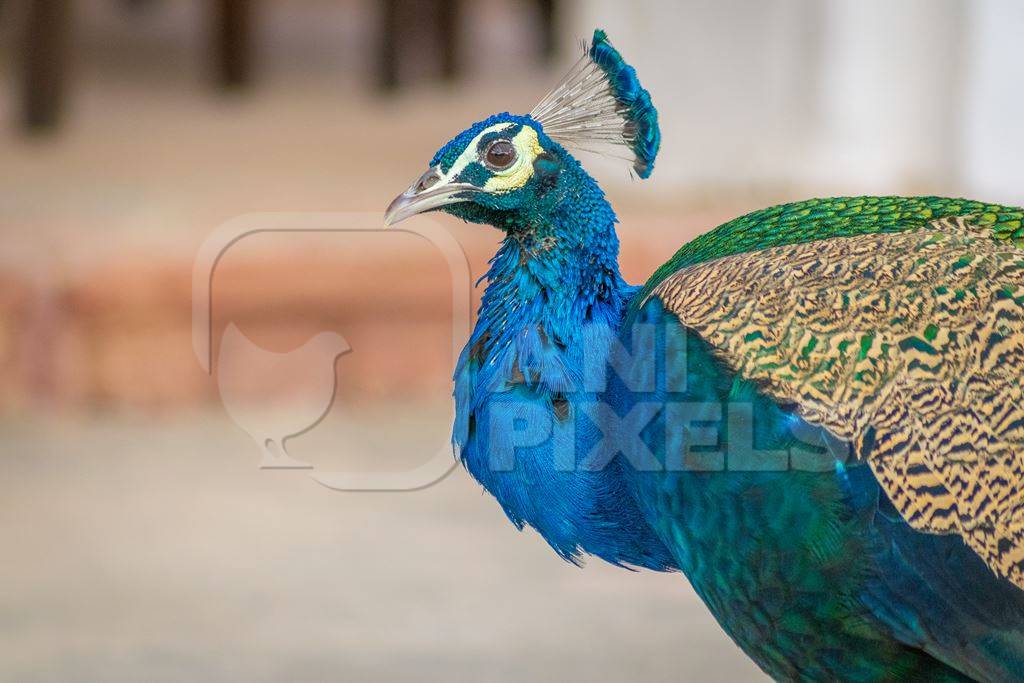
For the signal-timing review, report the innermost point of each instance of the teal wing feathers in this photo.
(905, 340)
(779, 547)
(909, 345)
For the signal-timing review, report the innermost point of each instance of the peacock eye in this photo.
(500, 155)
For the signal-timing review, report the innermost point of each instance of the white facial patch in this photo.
(515, 176)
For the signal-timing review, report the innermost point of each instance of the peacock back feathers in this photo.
(908, 343)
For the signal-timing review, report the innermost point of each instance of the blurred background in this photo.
(142, 541)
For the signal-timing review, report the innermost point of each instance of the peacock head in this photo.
(511, 170)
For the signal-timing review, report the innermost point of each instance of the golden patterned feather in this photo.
(910, 345)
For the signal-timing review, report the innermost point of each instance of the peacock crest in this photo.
(600, 107)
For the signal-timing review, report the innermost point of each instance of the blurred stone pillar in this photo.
(409, 26)
(892, 95)
(233, 41)
(839, 96)
(44, 62)
(992, 157)
(733, 82)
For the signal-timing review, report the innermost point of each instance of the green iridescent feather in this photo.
(815, 219)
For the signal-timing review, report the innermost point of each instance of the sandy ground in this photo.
(156, 550)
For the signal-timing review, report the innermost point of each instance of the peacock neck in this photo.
(519, 388)
(555, 273)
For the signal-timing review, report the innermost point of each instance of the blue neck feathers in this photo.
(554, 296)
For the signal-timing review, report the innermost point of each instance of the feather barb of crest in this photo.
(600, 105)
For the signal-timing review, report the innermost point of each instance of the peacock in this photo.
(814, 411)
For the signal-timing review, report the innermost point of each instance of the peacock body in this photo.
(813, 411)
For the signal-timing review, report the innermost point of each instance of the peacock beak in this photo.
(431, 191)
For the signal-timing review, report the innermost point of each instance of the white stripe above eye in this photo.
(469, 154)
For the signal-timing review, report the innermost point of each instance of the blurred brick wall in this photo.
(119, 334)
(17, 357)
